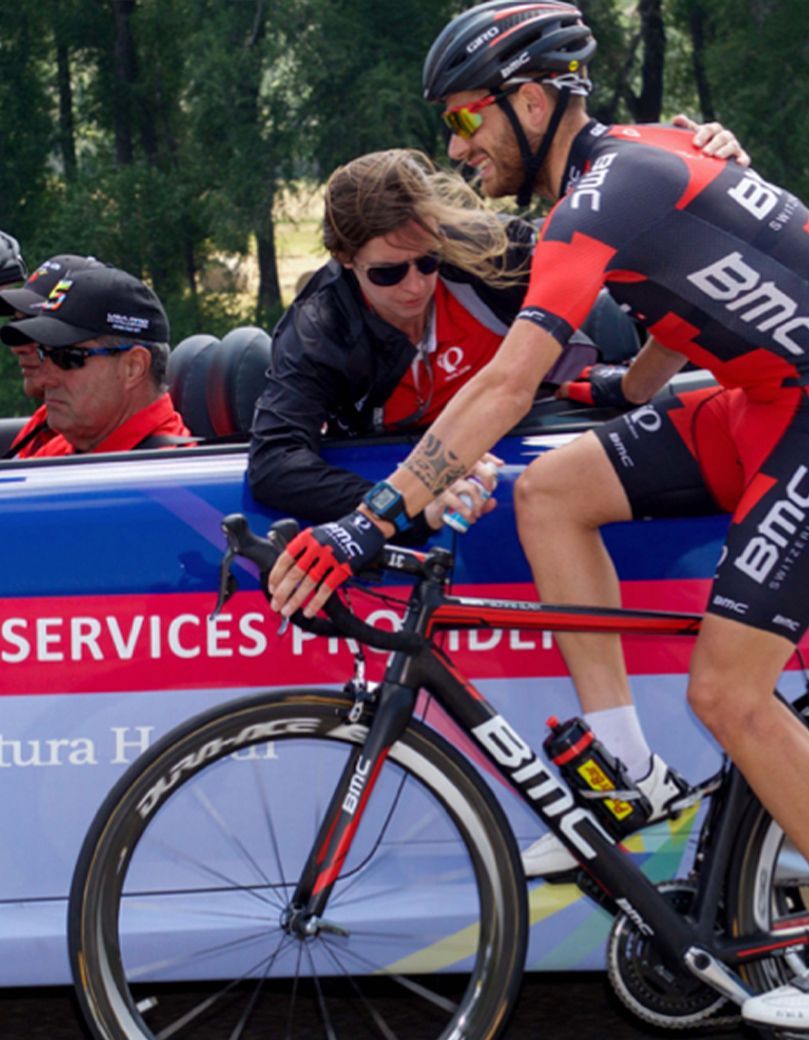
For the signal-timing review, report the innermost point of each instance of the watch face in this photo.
(384, 497)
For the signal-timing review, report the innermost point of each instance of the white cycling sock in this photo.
(619, 731)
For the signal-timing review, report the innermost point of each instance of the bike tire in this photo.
(769, 888)
(175, 915)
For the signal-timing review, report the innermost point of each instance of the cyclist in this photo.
(422, 285)
(712, 259)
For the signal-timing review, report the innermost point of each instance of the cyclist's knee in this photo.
(726, 708)
(541, 488)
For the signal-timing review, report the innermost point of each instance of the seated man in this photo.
(102, 337)
(25, 302)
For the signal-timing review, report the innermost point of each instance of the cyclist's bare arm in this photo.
(651, 370)
(474, 420)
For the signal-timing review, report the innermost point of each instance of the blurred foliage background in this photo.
(184, 140)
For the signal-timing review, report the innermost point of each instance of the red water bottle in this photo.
(592, 772)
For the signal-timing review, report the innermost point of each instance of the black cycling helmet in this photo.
(12, 265)
(496, 46)
(484, 47)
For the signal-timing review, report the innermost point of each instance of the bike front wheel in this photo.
(180, 903)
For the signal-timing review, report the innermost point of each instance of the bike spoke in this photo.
(405, 981)
(265, 895)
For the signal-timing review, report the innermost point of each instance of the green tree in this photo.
(756, 62)
(362, 86)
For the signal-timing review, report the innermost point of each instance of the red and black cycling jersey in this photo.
(709, 257)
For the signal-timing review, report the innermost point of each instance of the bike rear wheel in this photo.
(770, 891)
(178, 904)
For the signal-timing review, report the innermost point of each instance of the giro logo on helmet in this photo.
(483, 38)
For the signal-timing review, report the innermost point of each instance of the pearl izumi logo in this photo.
(760, 304)
(782, 535)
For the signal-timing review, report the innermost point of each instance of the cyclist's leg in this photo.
(758, 610)
(735, 669)
(562, 500)
(559, 521)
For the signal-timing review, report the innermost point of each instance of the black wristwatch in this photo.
(386, 502)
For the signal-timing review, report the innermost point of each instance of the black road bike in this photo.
(241, 879)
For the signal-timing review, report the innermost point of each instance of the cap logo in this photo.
(56, 297)
(573, 65)
(128, 323)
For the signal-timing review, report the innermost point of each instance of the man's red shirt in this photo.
(160, 417)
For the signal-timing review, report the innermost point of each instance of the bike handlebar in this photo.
(264, 552)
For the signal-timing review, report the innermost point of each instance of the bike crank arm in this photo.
(716, 975)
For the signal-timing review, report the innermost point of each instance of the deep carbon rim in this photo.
(426, 787)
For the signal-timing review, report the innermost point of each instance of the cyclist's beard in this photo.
(505, 173)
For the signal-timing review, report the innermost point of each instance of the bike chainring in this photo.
(653, 991)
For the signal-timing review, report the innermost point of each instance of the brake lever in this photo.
(228, 585)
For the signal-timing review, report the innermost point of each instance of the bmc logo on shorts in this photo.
(781, 523)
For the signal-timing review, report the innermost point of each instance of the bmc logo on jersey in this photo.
(767, 308)
(755, 195)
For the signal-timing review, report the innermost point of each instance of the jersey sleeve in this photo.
(587, 237)
(566, 278)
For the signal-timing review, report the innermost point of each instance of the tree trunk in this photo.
(67, 140)
(269, 285)
(647, 106)
(124, 74)
(696, 22)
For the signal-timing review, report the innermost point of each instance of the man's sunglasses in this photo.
(68, 358)
(466, 120)
(392, 274)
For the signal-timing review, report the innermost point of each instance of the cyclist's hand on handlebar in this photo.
(599, 385)
(320, 559)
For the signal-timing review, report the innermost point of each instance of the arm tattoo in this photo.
(435, 466)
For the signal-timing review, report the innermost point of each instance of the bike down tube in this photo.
(551, 800)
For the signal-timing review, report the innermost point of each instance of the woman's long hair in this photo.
(382, 192)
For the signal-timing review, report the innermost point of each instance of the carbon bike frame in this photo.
(606, 872)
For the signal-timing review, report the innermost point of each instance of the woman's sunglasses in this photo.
(67, 358)
(392, 274)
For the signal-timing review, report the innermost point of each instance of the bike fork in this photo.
(344, 813)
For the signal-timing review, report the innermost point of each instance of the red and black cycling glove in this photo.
(602, 386)
(331, 553)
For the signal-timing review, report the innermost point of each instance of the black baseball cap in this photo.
(30, 297)
(98, 301)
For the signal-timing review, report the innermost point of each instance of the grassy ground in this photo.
(298, 237)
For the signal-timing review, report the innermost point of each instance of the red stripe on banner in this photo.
(90, 644)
